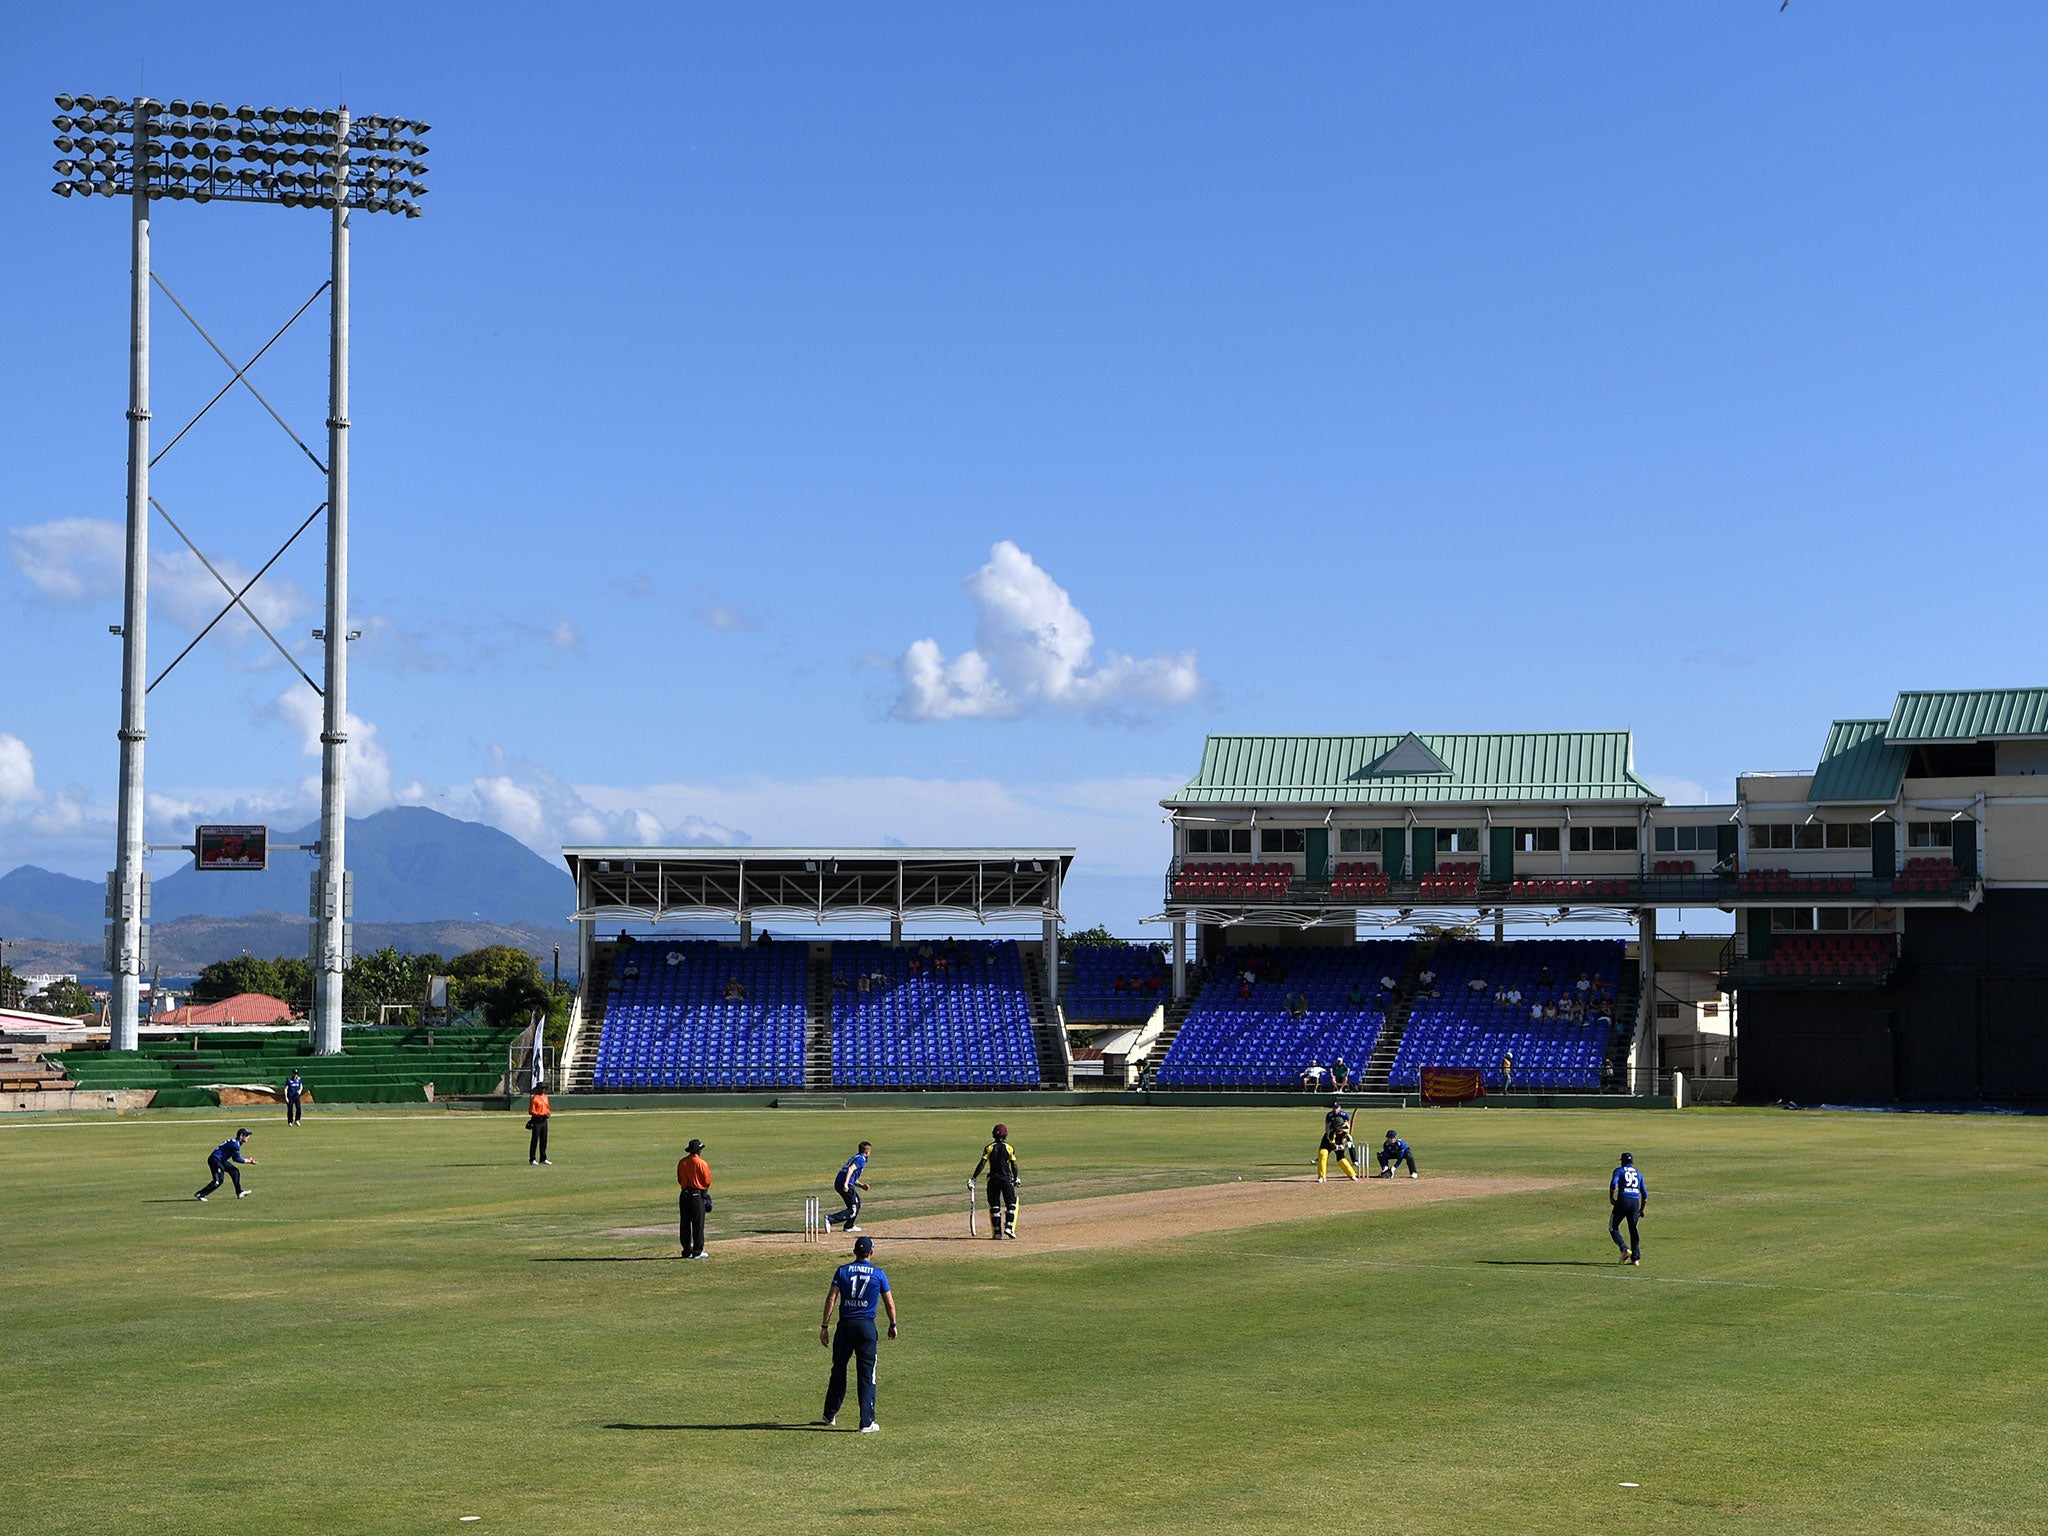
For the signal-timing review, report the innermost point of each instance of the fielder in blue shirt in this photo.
(221, 1161)
(856, 1289)
(847, 1185)
(1627, 1196)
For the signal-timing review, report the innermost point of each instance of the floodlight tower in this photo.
(300, 158)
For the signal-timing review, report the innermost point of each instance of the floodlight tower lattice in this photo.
(297, 157)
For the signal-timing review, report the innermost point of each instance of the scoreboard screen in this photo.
(232, 848)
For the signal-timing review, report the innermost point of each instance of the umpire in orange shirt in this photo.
(693, 1178)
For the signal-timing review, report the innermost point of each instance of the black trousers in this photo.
(690, 1208)
(222, 1170)
(537, 1143)
(294, 1112)
(1002, 1205)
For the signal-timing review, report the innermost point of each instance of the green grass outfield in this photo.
(1841, 1325)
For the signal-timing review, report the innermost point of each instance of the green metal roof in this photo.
(1980, 714)
(1858, 764)
(1340, 770)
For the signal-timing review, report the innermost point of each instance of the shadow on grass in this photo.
(610, 1258)
(795, 1429)
(1552, 1263)
(186, 1200)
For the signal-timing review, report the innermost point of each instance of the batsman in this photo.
(1000, 1159)
(1336, 1143)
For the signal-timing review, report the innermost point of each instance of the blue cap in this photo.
(863, 1246)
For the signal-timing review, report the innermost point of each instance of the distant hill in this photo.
(41, 904)
(411, 866)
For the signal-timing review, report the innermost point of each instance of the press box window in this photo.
(1358, 839)
(1848, 834)
(1283, 840)
(1220, 840)
(1457, 839)
(1535, 839)
(1775, 837)
(1603, 839)
(1685, 839)
(1930, 834)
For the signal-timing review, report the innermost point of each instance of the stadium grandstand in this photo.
(930, 1010)
(1400, 901)
(1891, 937)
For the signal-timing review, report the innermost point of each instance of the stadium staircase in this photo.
(1628, 1012)
(1176, 1015)
(577, 1072)
(1047, 1037)
(818, 1021)
(1380, 1068)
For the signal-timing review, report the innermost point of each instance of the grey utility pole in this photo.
(127, 891)
(333, 910)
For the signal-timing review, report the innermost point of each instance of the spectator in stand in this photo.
(1356, 997)
(1550, 1013)
(734, 992)
(1544, 978)
(1388, 984)
(1340, 1074)
(1584, 984)
(1477, 984)
(1535, 1013)
(1507, 1071)
(861, 981)
(1312, 1077)
(1297, 1006)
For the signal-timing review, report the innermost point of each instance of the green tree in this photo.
(11, 988)
(244, 973)
(505, 982)
(1084, 937)
(388, 976)
(65, 998)
(295, 983)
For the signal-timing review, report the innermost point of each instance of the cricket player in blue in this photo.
(856, 1289)
(1627, 1195)
(1393, 1153)
(847, 1186)
(221, 1161)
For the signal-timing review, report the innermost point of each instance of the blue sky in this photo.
(760, 381)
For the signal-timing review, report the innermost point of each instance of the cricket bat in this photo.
(972, 1229)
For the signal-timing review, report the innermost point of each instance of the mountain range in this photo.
(411, 866)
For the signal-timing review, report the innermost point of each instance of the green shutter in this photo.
(1390, 853)
(1759, 933)
(1884, 848)
(1425, 851)
(1501, 855)
(1318, 853)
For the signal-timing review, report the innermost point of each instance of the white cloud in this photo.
(714, 612)
(545, 812)
(1678, 791)
(17, 773)
(443, 643)
(72, 559)
(369, 765)
(76, 560)
(1033, 649)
